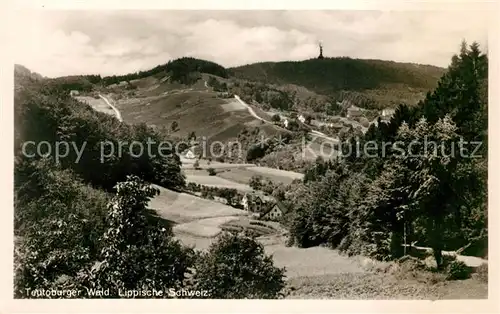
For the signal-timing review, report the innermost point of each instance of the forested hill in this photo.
(386, 83)
(330, 75)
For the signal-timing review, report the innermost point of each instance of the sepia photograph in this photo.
(251, 154)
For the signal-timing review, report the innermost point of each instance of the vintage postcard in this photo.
(291, 154)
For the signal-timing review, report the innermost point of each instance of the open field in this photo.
(317, 148)
(97, 103)
(277, 173)
(298, 261)
(233, 105)
(205, 228)
(182, 207)
(216, 181)
(243, 175)
(238, 175)
(205, 164)
(211, 118)
(198, 221)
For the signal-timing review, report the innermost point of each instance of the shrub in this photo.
(458, 270)
(211, 172)
(482, 272)
(258, 223)
(345, 243)
(131, 237)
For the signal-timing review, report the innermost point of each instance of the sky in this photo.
(57, 43)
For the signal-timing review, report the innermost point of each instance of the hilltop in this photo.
(384, 81)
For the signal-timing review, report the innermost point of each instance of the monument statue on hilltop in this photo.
(320, 51)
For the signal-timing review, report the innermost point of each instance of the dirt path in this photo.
(313, 132)
(117, 112)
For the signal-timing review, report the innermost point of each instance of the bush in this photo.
(45, 113)
(236, 267)
(211, 172)
(258, 223)
(458, 270)
(482, 272)
(345, 243)
(255, 182)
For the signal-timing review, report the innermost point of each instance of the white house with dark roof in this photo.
(388, 112)
(285, 123)
(274, 212)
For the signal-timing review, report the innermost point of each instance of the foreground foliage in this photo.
(236, 267)
(432, 195)
(82, 223)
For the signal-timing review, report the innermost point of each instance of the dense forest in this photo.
(371, 83)
(334, 74)
(432, 196)
(184, 70)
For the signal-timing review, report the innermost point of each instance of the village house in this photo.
(224, 95)
(74, 93)
(189, 154)
(285, 123)
(354, 111)
(335, 125)
(388, 112)
(252, 203)
(345, 103)
(274, 212)
(302, 119)
(256, 202)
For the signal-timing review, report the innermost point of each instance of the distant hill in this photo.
(382, 80)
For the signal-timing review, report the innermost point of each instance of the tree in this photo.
(211, 172)
(192, 136)
(413, 183)
(253, 276)
(58, 223)
(276, 118)
(130, 238)
(293, 125)
(255, 182)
